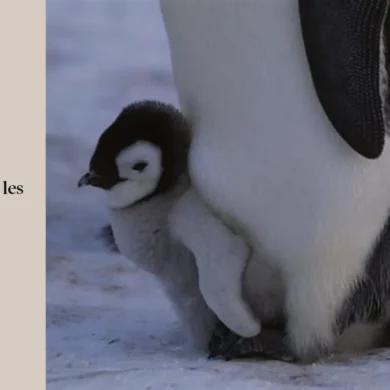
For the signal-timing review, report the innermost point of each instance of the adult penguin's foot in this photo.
(269, 344)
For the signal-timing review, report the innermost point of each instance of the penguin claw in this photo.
(268, 345)
(221, 340)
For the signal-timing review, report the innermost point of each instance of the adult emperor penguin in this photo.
(288, 103)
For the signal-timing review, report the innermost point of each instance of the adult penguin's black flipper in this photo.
(345, 42)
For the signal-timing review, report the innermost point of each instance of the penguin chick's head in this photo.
(142, 153)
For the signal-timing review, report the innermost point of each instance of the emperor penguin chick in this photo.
(161, 224)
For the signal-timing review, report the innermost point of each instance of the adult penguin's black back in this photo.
(346, 46)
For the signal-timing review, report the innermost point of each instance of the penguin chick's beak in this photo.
(90, 179)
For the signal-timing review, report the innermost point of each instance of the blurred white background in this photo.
(101, 55)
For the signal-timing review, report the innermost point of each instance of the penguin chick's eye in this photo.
(139, 166)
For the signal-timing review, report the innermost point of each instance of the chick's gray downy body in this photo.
(142, 235)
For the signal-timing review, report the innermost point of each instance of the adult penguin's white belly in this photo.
(265, 155)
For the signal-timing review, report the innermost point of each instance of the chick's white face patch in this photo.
(140, 167)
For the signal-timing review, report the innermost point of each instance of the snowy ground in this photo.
(108, 324)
